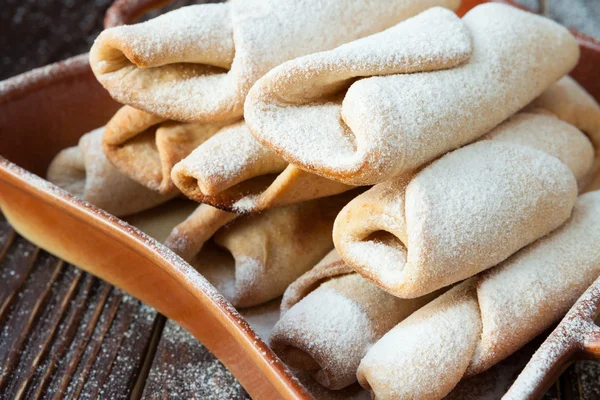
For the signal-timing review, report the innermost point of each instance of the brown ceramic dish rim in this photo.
(127, 11)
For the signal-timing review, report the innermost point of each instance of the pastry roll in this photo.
(146, 147)
(198, 63)
(571, 103)
(468, 210)
(253, 259)
(234, 172)
(358, 114)
(84, 171)
(483, 320)
(330, 317)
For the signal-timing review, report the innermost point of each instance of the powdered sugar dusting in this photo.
(509, 306)
(226, 159)
(433, 40)
(396, 125)
(457, 210)
(378, 258)
(319, 325)
(420, 356)
(198, 375)
(571, 262)
(198, 63)
(245, 204)
(171, 65)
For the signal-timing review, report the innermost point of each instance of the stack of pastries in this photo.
(407, 182)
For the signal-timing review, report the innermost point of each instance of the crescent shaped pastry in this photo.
(199, 62)
(254, 258)
(483, 320)
(234, 172)
(146, 147)
(467, 211)
(330, 317)
(85, 171)
(382, 106)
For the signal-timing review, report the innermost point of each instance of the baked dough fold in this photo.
(146, 147)
(330, 317)
(84, 171)
(234, 172)
(467, 211)
(254, 258)
(199, 62)
(359, 113)
(571, 103)
(483, 320)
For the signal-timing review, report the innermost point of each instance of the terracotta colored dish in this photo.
(48, 109)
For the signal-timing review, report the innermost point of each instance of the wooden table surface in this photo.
(67, 334)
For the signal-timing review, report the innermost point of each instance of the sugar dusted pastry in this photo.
(467, 211)
(234, 172)
(198, 63)
(360, 114)
(330, 317)
(571, 103)
(483, 320)
(548, 133)
(84, 171)
(257, 256)
(146, 147)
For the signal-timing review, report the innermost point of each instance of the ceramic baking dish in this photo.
(48, 109)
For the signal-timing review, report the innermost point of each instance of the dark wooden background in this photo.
(66, 334)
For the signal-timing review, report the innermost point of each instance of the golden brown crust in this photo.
(233, 172)
(87, 172)
(188, 238)
(146, 147)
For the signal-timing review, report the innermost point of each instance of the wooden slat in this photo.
(64, 333)
(20, 313)
(582, 381)
(123, 348)
(15, 266)
(7, 235)
(95, 342)
(44, 331)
